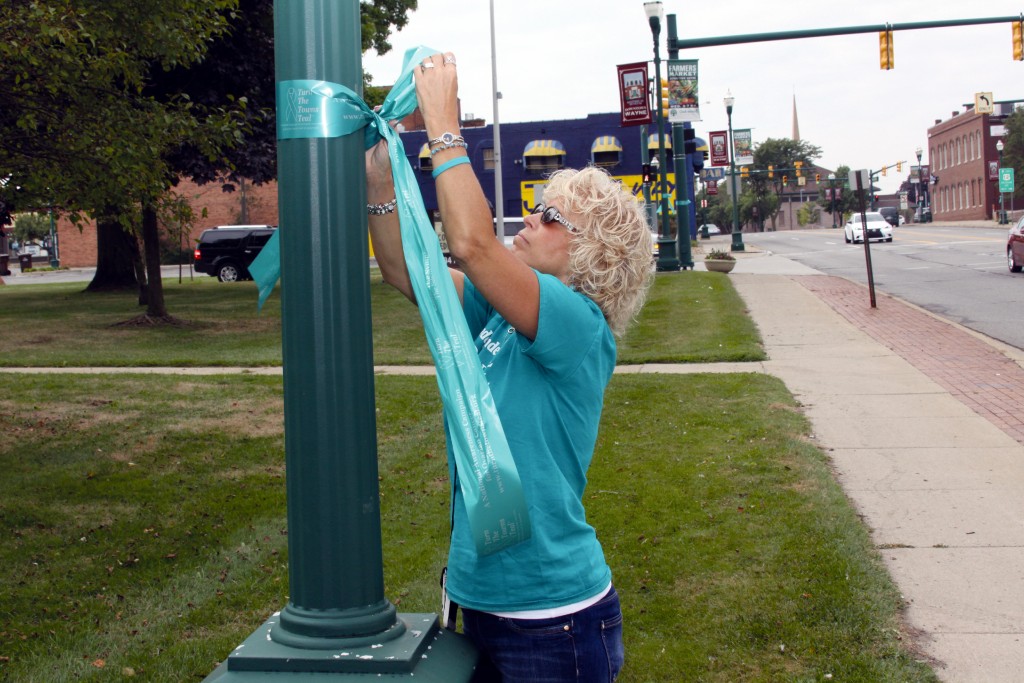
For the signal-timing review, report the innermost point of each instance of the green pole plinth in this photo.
(337, 624)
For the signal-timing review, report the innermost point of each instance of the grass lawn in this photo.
(144, 529)
(690, 317)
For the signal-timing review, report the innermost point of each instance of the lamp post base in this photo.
(452, 658)
(667, 255)
(737, 242)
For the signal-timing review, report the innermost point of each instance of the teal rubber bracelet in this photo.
(448, 164)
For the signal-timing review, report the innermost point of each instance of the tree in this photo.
(781, 154)
(89, 126)
(31, 226)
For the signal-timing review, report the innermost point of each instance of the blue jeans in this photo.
(585, 647)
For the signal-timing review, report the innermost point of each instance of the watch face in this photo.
(447, 138)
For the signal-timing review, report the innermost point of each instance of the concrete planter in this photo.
(719, 266)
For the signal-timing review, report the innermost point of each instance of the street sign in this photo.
(713, 174)
(1006, 180)
(983, 103)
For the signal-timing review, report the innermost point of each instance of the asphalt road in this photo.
(959, 273)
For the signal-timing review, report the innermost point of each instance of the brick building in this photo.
(247, 204)
(963, 158)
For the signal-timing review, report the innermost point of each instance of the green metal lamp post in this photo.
(921, 184)
(681, 169)
(666, 245)
(832, 197)
(737, 237)
(337, 624)
(1002, 210)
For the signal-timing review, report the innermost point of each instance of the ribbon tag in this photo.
(487, 474)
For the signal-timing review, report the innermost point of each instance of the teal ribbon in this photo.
(486, 472)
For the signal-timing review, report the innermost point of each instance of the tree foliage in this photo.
(31, 226)
(781, 154)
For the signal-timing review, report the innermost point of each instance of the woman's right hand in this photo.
(437, 92)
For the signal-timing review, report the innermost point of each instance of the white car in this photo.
(878, 228)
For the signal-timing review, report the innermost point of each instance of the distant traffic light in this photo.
(744, 172)
(885, 49)
(785, 179)
(664, 98)
(1018, 40)
(645, 172)
(771, 171)
(884, 171)
(817, 177)
(799, 165)
(899, 167)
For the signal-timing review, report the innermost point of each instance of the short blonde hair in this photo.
(611, 257)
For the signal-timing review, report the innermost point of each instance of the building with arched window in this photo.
(964, 163)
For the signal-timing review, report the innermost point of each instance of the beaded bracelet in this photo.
(382, 209)
(451, 145)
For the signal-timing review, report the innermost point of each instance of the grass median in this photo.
(690, 317)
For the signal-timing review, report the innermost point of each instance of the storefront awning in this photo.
(652, 141)
(606, 143)
(544, 148)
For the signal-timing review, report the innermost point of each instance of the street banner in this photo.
(636, 107)
(915, 174)
(712, 187)
(993, 170)
(743, 147)
(719, 143)
(683, 100)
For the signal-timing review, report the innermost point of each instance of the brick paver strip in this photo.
(974, 372)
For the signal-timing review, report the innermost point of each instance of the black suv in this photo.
(891, 214)
(227, 250)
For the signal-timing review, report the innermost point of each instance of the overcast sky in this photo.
(556, 59)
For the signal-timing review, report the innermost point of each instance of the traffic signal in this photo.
(664, 98)
(884, 171)
(817, 177)
(645, 171)
(1018, 41)
(799, 165)
(785, 179)
(744, 172)
(771, 171)
(899, 167)
(885, 49)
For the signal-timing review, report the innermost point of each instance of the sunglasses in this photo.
(549, 214)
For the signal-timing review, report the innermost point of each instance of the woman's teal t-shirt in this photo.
(549, 394)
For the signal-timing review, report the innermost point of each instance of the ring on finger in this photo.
(450, 59)
(428, 65)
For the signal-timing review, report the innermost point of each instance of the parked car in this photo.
(712, 229)
(891, 214)
(1015, 247)
(226, 251)
(877, 227)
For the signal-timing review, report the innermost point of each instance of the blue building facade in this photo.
(531, 151)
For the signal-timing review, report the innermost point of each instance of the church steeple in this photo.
(796, 123)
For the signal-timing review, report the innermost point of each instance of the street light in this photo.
(737, 238)
(1002, 210)
(922, 185)
(666, 245)
(832, 196)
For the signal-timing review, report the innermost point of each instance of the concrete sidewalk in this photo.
(923, 422)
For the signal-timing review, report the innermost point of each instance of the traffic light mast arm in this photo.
(712, 41)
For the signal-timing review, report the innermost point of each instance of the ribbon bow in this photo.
(486, 472)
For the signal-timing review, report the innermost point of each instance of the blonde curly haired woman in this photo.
(545, 315)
